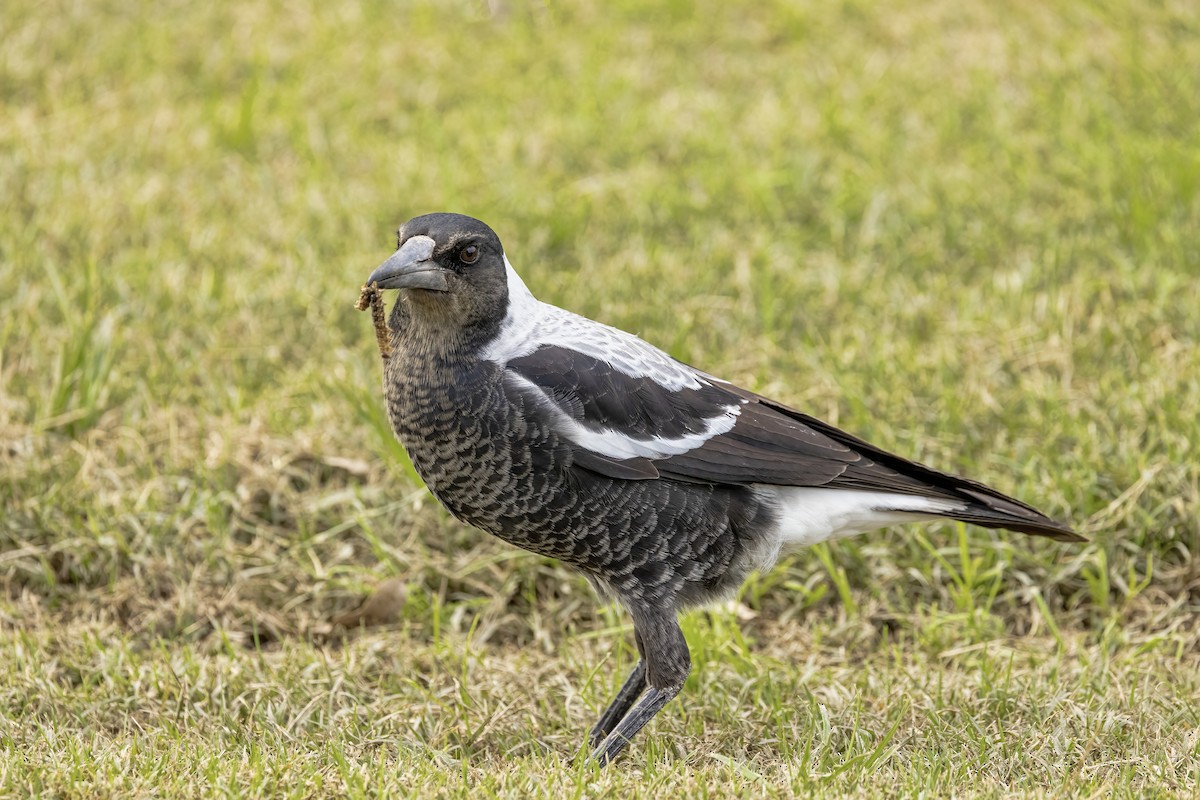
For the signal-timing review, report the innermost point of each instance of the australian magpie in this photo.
(664, 485)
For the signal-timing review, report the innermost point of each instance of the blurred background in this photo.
(965, 231)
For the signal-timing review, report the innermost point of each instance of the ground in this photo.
(965, 231)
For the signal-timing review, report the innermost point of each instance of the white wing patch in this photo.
(808, 515)
(530, 324)
(618, 445)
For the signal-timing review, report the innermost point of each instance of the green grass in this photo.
(964, 230)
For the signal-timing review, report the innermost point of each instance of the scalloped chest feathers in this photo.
(477, 452)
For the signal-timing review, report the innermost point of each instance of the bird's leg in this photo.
(667, 663)
(634, 685)
(651, 703)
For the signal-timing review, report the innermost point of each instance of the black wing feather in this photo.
(598, 395)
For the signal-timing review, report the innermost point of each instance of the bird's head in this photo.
(450, 267)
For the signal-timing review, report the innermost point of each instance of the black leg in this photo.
(663, 668)
(650, 704)
(635, 684)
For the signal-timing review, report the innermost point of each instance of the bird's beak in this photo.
(410, 267)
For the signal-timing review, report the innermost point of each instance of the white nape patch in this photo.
(615, 444)
(808, 515)
(530, 324)
(516, 337)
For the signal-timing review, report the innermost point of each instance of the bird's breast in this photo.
(474, 450)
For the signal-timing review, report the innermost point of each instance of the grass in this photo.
(961, 230)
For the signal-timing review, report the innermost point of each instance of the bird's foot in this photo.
(650, 704)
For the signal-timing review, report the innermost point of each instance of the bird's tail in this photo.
(989, 508)
(984, 506)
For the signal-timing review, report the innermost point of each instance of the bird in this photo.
(664, 485)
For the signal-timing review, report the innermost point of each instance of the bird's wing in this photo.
(626, 420)
(630, 411)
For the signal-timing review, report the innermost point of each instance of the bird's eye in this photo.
(469, 254)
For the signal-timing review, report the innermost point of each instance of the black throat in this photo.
(433, 329)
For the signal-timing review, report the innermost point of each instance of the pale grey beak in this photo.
(410, 267)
